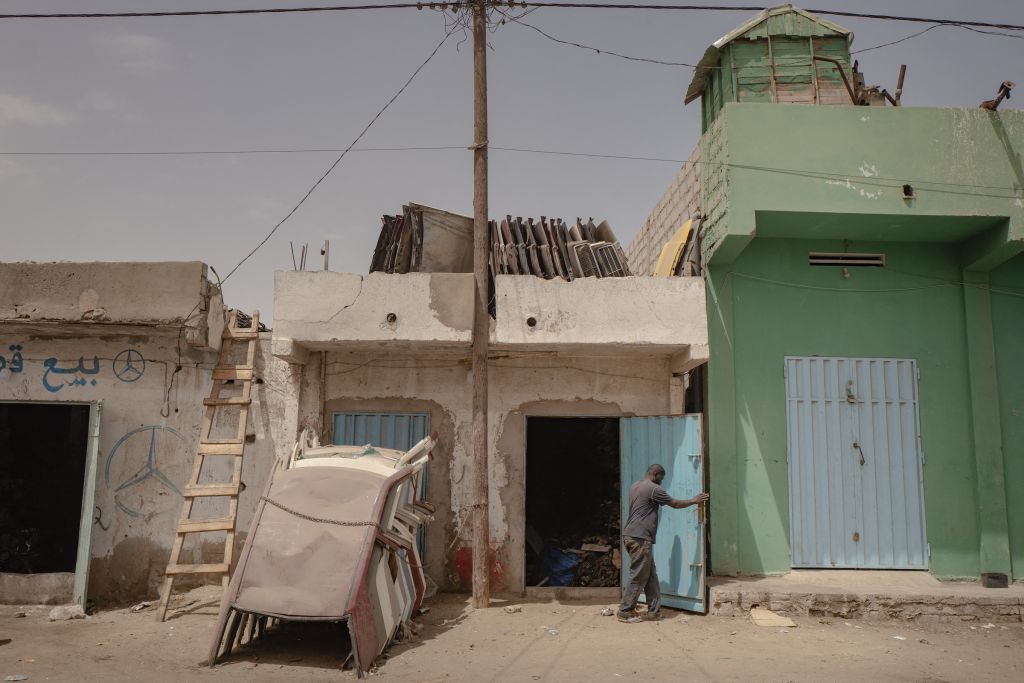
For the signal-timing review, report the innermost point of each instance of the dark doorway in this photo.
(42, 471)
(572, 501)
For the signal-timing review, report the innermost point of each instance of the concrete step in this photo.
(878, 595)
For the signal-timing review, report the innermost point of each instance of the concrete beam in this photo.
(692, 357)
(664, 314)
(324, 310)
(990, 249)
(289, 351)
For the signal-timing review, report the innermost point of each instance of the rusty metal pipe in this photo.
(846, 81)
(899, 83)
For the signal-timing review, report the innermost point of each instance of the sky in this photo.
(313, 81)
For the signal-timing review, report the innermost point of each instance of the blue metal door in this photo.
(400, 431)
(855, 468)
(675, 443)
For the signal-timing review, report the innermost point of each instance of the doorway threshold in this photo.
(562, 593)
(870, 594)
(49, 588)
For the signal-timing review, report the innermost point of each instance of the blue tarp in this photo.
(559, 566)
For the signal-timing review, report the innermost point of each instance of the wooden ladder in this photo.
(223, 374)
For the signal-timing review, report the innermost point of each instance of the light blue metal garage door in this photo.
(400, 431)
(675, 443)
(855, 470)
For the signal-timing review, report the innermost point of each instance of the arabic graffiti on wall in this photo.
(16, 362)
(127, 366)
(77, 371)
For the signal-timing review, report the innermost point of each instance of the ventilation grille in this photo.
(818, 258)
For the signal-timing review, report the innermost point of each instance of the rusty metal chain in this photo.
(321, 520)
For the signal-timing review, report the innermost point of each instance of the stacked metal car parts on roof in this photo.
(552, 249)
(427, 240)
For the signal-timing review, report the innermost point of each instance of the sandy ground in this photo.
(546, 641)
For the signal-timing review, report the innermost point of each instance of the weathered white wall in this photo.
(663, 315)
(318, 308)
(157, 314)
(132, 536)
(600, 347)
(520, 385)
(79, 299)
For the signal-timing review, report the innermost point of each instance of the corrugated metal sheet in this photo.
(400, 431)
(675, 443)
(855, 479)
(793, 23)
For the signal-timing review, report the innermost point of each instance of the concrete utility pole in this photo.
(481, 318)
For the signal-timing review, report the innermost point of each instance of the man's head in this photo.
(656, 473)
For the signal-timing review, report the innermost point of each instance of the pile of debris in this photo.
(426, 240)
(586, 560)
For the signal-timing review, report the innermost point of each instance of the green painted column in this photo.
(722, 457)
(985, 424)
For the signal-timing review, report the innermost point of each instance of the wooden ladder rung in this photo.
(221, 448)
(200, 490)
(227, 401)
(223, 372)
(192, 526)
(235, 372)
(197, 569)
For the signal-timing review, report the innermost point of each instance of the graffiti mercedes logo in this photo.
(129, 365)
(158, 443)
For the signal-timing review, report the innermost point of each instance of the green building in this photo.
(865, 279)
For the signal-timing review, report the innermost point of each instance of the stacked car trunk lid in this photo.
(333, 539)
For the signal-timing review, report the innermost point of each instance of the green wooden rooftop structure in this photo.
(783, 55)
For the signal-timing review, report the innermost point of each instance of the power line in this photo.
(440, 147)
(342, 155)
(460, 5)
(612, 53)
(215, 12)
(225, 152)
(896, 42)
(876, 180)
(935, 26)
(826, 12)
(594, 49)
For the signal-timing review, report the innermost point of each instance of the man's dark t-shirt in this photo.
(645, 497)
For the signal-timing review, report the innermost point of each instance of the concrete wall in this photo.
(657, 314)
(680, 201)
(322, 307)
(789, 180)
(520, 385)
(67, 299)
(158, 403)
(134, 527)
